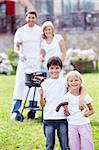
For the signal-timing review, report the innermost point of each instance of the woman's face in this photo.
(48, 31)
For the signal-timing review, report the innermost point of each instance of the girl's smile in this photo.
(74, 83)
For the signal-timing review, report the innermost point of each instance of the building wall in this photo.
(6, 42)
(96, 5)
(19, 9)
(58, 5)
(82, 40)
(75, 39)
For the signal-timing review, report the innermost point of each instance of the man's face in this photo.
(31, 20)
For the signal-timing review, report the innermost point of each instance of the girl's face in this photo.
(48, 31)
(54, 71)
(74, 83)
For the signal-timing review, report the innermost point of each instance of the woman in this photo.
(52, 44)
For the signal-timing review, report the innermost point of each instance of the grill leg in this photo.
(25, 100)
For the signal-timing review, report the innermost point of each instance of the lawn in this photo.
(28, 135)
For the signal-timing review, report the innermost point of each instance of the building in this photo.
(12, 14)
(63, 13)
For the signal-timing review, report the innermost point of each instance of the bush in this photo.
(13, 58)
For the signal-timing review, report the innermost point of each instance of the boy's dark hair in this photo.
(31, 12)
(55, 61)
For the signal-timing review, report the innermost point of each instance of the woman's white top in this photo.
(76, 115)
(30, 39)
(54, 89)
(53, 48)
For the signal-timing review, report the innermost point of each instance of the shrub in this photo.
(13, 58)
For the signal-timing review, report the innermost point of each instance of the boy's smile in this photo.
(54, 71)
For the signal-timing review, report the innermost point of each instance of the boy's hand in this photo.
(86, 114)
(41, 92)
(81, 105)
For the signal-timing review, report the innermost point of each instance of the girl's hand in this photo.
(66, 112)
(89, 111)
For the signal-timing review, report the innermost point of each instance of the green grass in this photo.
(28, 135)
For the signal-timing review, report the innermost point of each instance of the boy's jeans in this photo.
(61, 126)
(17, 104)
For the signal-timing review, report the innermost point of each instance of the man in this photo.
(27, 45)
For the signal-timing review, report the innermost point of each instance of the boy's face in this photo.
(54, 71)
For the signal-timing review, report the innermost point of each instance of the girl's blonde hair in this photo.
(74, 73)
(45, 25)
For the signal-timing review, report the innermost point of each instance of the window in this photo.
(3, 9)
(76, 5)
(87, 5)
(44, 6)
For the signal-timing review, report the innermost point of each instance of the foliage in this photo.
(80, 58)
(29, 135)
(13, 58)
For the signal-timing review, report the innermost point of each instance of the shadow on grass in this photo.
(39, 119)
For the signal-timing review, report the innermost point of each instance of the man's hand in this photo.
(22, 57)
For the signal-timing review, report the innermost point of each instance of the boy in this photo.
(51, 93)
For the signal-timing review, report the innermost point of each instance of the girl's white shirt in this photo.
(53, 89)
(77, 116)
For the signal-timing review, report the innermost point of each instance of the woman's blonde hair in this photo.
(45, 25)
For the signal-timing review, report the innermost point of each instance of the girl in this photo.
(80, 136)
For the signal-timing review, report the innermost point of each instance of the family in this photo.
(67, 106)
